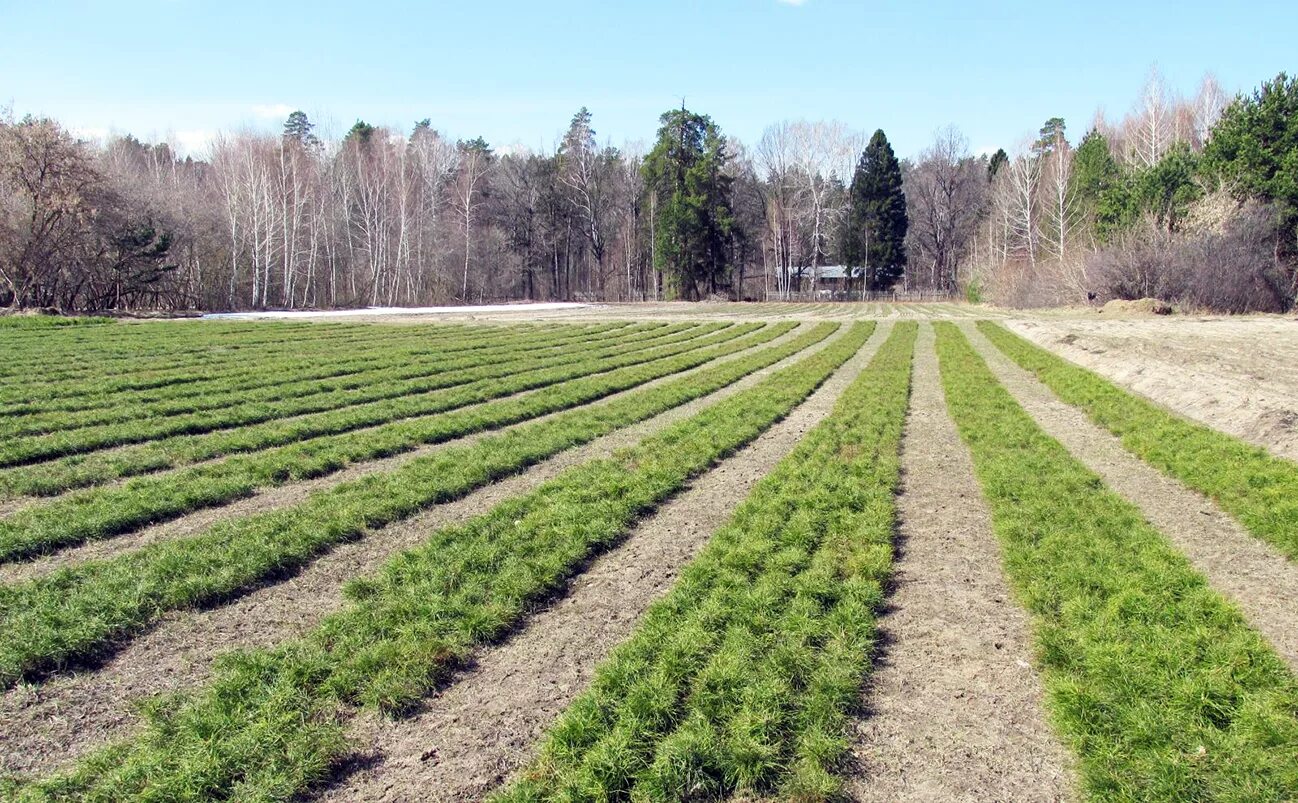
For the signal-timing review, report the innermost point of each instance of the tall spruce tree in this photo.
(999, 159)
(875, 236)
(1102, 192)
(693, 218)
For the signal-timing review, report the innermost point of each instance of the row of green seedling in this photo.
(135, 376)
(25, 450)
(742, 681)
(186, 343)
(77, 611)
(106, 340)
(1157, 683)
(104, 512)
(1250, 483)
(387, 366)
(288, 367)
(83, 470)
(266, 727)
(179, 380)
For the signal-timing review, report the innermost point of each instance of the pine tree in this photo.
(298, 128)
(1052, 133)
(360, 133)
(693, 217)
(1254, 151)
(875, 236)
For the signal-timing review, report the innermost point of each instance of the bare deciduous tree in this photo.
(944, 193)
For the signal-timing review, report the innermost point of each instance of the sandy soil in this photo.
(43, 726)
(1239, 375)
(953, 707)
(1256, 577)
(478, 731)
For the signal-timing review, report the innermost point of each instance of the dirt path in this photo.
(487, 723)
(1248, 571)
(1239, 375)
(50, 724)
(296, 492)
(954, 706)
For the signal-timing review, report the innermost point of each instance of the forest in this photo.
(1191, 200)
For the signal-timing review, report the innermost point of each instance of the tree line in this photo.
(1189, 200)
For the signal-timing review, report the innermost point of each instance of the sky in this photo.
(515, 71)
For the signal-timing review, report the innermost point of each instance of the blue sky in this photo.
(515, 71)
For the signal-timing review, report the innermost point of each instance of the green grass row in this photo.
(40, 391)
(168, 344)
(76, 611)
(291, 362)
(104, 512)
(42, 382)
(116, 339)
(31, 449)
(282, 383)
(1158, 683)
(42, 322)
(1254, 486)
(742, 680)
(266, 728)
(310, 432)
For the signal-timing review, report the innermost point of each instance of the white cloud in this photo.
(793, 2)
(91, 133)
(194, 141)
(272, 111)
(512, 149)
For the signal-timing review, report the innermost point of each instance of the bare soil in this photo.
(953, 709)
(1238, 375)
(1255, 576)
(486, 725)
(43, 726)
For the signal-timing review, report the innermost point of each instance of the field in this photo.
(651, 552)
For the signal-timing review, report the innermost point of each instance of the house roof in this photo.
(837, 271)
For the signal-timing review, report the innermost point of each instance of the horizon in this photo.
(245, 73)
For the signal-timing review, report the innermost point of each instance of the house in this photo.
(835, 278)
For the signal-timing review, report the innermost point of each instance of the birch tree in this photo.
(1149, 131)
(475, 161)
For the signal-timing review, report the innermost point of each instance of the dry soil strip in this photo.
(1247, 570)
(293, 493)
(488, 722)
(954, 708)
(1239, 382)
(48, 725)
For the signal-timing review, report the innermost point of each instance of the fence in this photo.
(892, 296)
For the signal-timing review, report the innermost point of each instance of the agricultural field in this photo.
(653, 552)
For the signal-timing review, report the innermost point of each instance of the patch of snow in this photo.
(378, 311)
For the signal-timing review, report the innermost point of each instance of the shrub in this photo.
(1231, 266)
